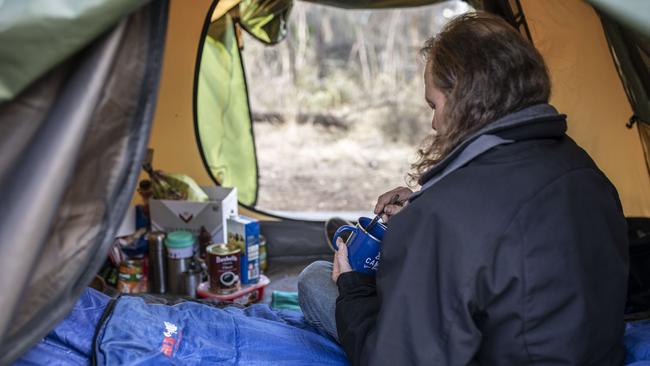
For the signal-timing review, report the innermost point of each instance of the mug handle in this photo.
(340, 231)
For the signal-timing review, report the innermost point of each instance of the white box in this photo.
(170, 215)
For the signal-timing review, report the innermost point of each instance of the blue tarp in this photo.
(189, 333)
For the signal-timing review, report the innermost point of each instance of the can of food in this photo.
(223, 268)
(130, 277)
(157, 263)
(263, 260)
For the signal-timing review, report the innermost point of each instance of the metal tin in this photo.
(224, 267)
(157, 270)
(175, 268)
(263, 254)
(191, 280)
(130, 277)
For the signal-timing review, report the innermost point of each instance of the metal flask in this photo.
(176, 268)
(180, 253)
(157, 262)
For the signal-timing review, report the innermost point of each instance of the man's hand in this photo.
(389, 207)
(341, 263)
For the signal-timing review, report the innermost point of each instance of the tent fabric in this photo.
(69, 187)
(223, 6)
(37, 35)
(587, 88)
(71, 342)
(223, 121)
(173, 135)
(382, 4)
(51, 151)
(644, 133)
(630, 13)
(295, 238)
(510, 11)
(631, 53)
(267, 21)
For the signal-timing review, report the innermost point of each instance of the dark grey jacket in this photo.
(517, 256)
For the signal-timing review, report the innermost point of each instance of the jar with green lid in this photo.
(179, 244)
(180, 250)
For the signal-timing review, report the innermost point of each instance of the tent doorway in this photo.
(347, 111)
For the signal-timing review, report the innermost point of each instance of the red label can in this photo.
(130, 278)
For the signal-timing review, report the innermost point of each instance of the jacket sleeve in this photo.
(411, 317)
(356, 311)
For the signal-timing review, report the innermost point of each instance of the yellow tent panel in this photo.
(172, 136)
(586, 87)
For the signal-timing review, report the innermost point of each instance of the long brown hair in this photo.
(486, 69)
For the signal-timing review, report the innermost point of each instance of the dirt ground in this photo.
(307, 167)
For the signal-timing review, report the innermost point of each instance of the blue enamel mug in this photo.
(364, 248)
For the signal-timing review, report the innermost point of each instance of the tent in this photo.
(86, 86)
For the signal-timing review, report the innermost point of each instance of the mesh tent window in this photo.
(631, 53)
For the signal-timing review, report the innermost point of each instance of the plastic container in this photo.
(180, 249)
(180, 244)
(245, 296)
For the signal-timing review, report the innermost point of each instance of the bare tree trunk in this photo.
(302, 38)
(363, 58)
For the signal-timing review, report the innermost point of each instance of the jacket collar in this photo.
(535, 122)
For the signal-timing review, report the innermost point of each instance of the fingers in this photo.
(335, 261)
(403, 193)
(391, 210)
(343, 249)
(384, 199)
(340, 263)
(340, 243)
(335, 269)
(342, 259)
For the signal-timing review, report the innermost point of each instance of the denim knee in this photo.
(317, 295)
(312, 277)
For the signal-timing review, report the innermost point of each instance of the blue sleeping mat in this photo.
(131, 332)
(637, 343)
(136, 333)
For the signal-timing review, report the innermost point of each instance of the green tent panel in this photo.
(266, 20)
(223, 119)
(37, 35)
(381, 4)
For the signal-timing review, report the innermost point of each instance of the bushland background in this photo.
(338, 106)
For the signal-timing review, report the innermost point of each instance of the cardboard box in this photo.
(244, 232)
(169, 215)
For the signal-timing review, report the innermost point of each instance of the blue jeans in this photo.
(317, 294)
